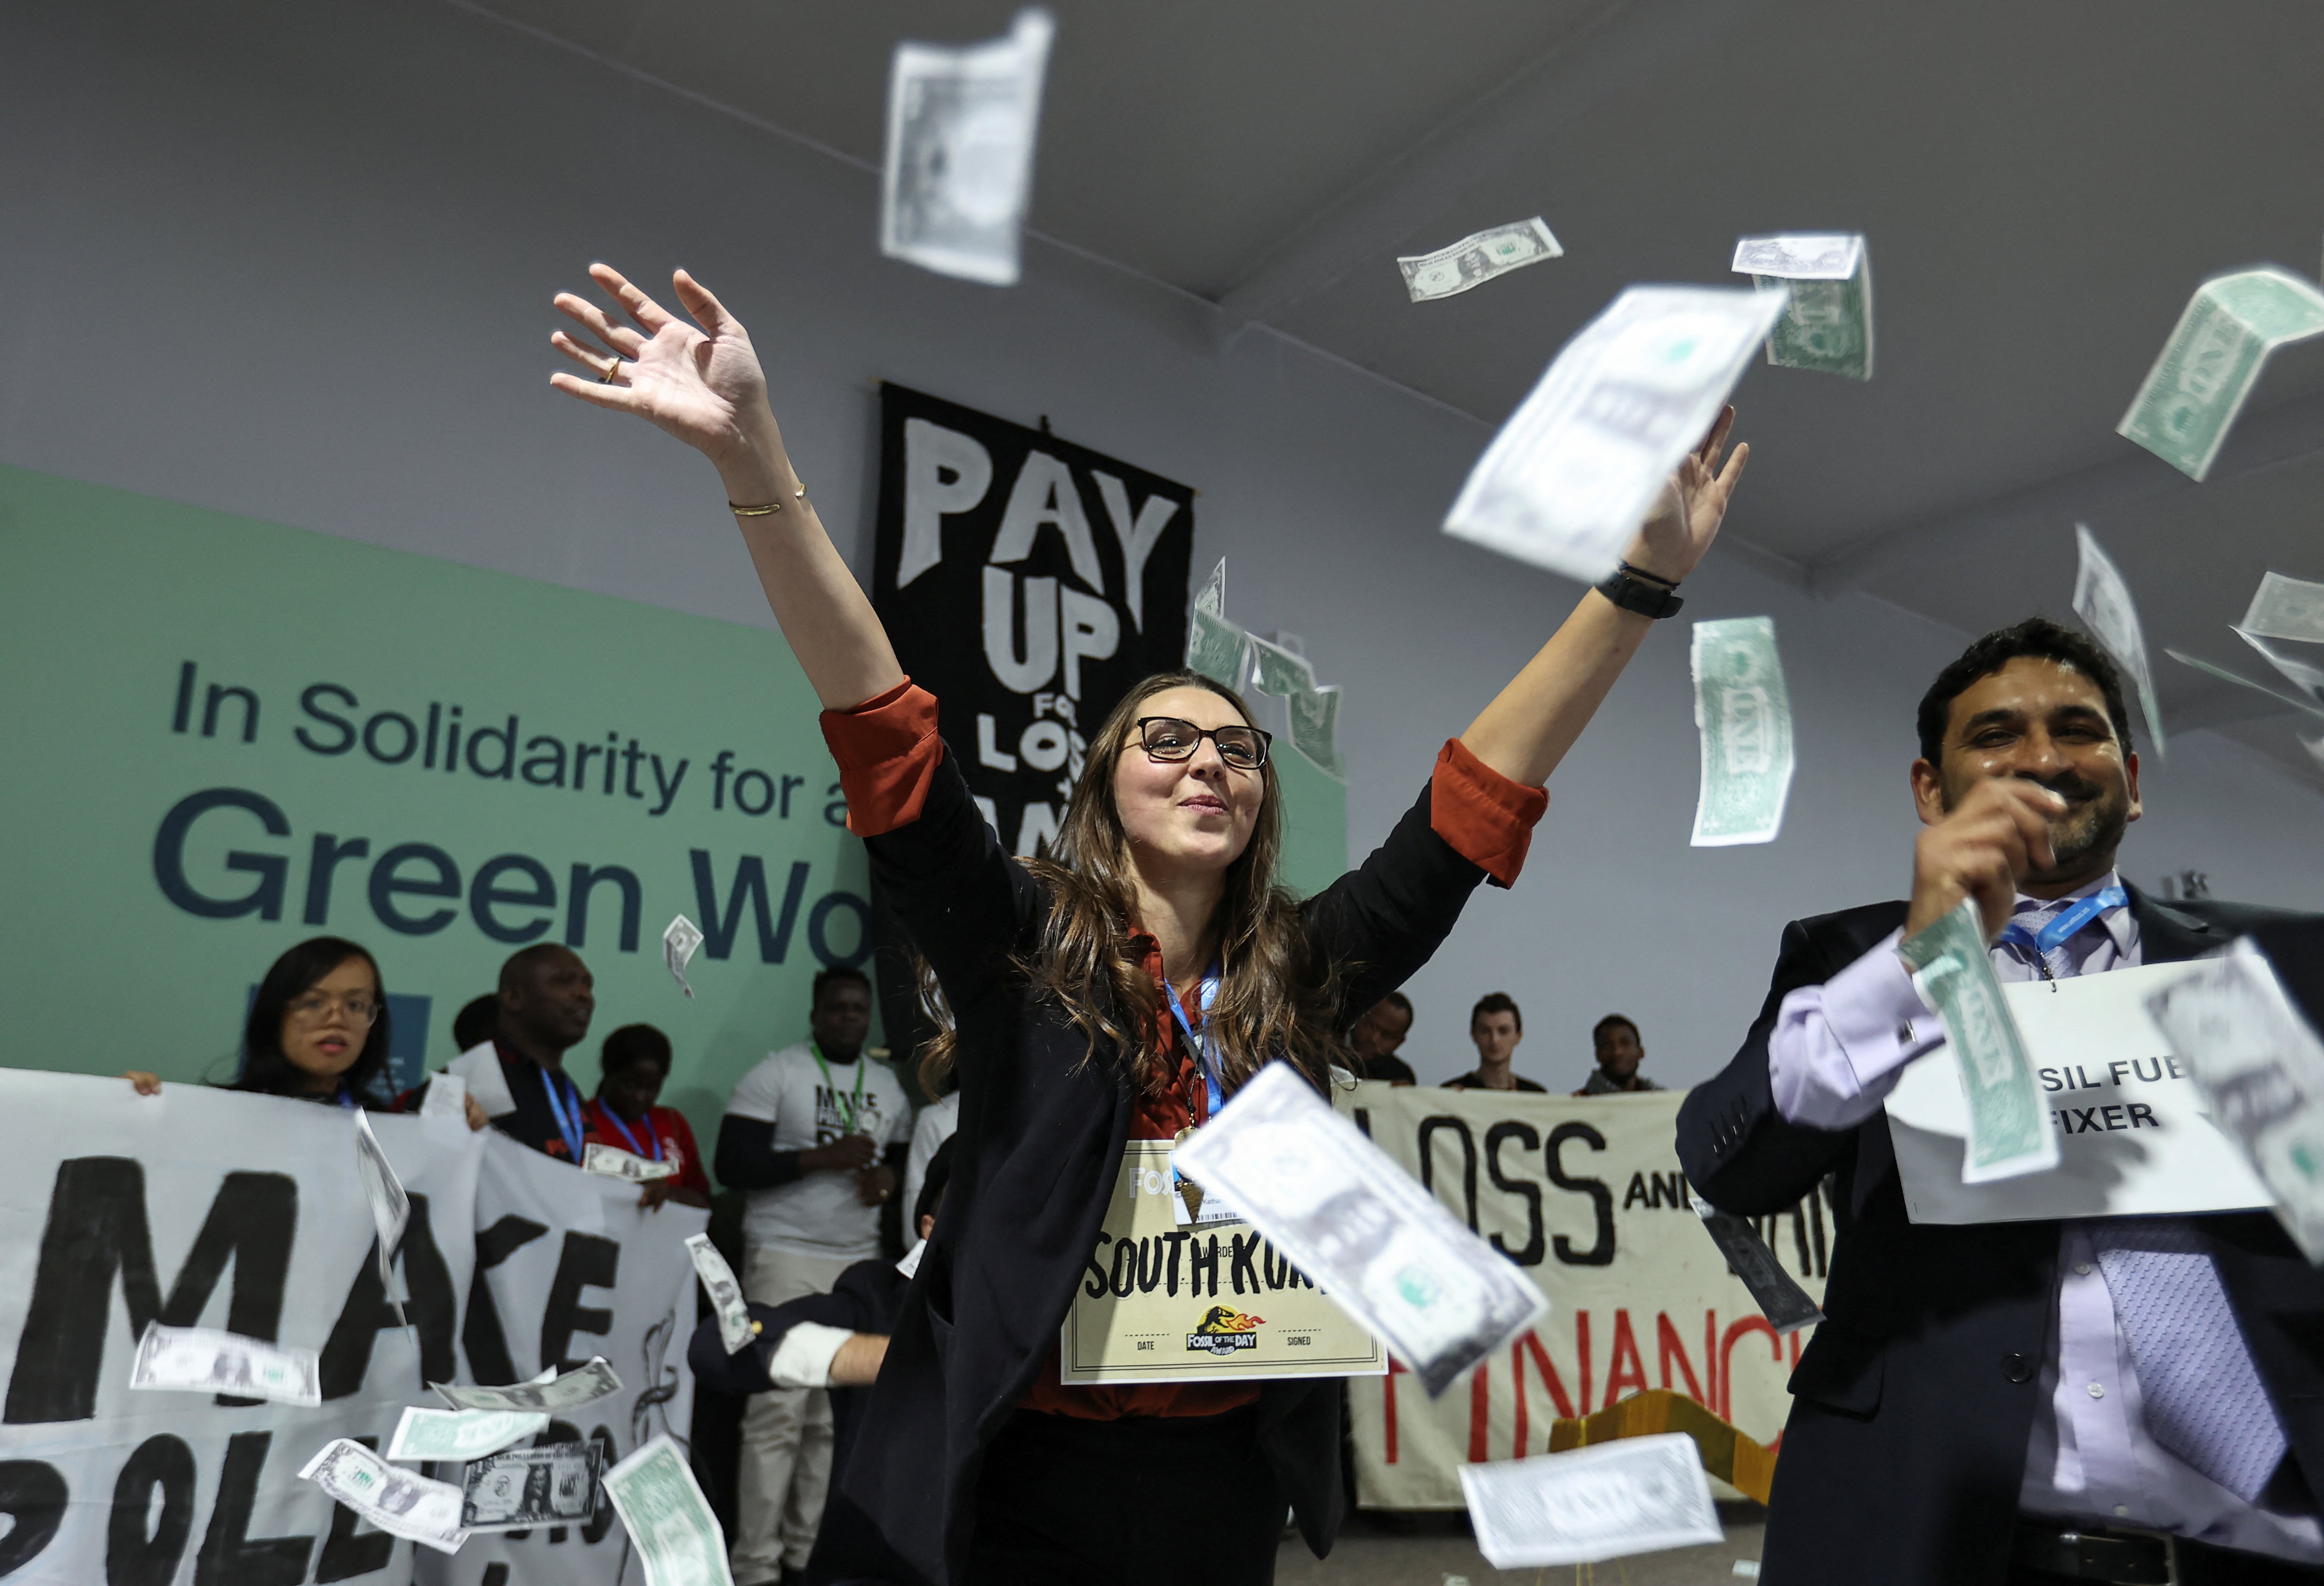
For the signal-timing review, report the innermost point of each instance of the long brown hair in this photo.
(1277, 999)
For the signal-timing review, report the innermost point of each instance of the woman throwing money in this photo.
(1122, 991)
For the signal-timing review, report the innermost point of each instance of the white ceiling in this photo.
(2042, 185)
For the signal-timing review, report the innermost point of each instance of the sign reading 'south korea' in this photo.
(1159, 1303)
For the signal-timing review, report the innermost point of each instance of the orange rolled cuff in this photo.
(1484, 817)
(888, 752)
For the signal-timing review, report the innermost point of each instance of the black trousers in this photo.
(1142, 1501)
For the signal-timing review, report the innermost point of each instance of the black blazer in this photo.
(1913, 1405)
(1042, 1126)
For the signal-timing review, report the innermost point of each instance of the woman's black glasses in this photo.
(1169, 738)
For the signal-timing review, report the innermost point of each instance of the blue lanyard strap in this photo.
(636, 1150)
(568, 1124)
(2062, 930)
(1205, 1053)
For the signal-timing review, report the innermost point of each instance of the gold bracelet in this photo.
(772, 506)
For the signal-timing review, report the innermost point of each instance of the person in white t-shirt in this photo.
(815, 1134)
(938, 1122)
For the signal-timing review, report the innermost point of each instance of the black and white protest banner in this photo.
(1026, 582)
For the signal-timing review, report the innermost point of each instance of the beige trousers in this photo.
(785, 1468)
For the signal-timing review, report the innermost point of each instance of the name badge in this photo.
(1162, 1300)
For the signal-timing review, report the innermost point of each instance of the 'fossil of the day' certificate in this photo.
(1162, 1303)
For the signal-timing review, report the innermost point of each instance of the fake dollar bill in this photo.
(2009, 1131)
(2102, 599)
(402, 1503)
(1577, 468)
(612, 1162)
(1828, 324)
(1780, 1299)
(201, 1359)
(677, 1536)
(391, 1208)
(2260, 1068)
(1212, 596)
(959, 169)
(1635, 1494)
(1216, 647)
(1279, 670)
(1477, 258)
(2213, 359)
(678, 946)
(446, 1097)
(520, 1487)
(460, 1436)
(725, 1295)
(1314, 718)
(2211, 670)
(567, 1391)
(1744, 715)
(2286, 608)
(2302, 675)
(1360, 1227)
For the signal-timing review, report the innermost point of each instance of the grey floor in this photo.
(1437, 1549)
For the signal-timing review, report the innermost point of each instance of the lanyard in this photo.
(343, 1099)
(636, 1150)
(567, 1125)
(1206, 1055)
(2061, 930)
(848, 1109)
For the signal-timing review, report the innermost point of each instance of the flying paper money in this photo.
(1314, 718)
(2102, 599)
(612, 1162)
(677, 1536)
(1780, 1298)
(2286, 608)
(1212, 596)
(1828, 326)
(2009, 1131)
(568, 1391)
(446, 1097)
(201, 1359)
(1577, 468)
(460, 1436)
(2213, 359)
(1277, 670)
(1476, 259)
(1637, 1495)
(402, 1503)
(717, 1277)
(2260, 1068)
(391, 1208)
(1216, 647)
(961, 128)
(678, 946)
(2209, 669)
(521, 1488)
(1360, 1227)
(2309, 679)
(1744, 715)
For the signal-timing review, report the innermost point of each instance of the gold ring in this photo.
(612, 369)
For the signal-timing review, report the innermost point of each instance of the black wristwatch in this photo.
(1642, 593)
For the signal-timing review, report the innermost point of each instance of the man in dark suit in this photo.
(2126, 1399)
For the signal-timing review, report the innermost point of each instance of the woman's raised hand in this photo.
(1687, 517)
(700, 382)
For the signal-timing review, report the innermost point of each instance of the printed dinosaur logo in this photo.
(1224, 1329)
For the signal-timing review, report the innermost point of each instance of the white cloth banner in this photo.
(203, 1208)
(1587, 1195)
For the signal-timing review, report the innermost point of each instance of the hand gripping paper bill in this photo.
(959, 170)
(1637, 1495)
(678, 1537)
(1743, 713)
(1826, 326)
(678, 946)
(2192, 396)
(2009, 1129)
(1477, 259)
(1575, 470)
(2102, 599)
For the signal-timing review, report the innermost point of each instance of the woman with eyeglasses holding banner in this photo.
(1118, 993)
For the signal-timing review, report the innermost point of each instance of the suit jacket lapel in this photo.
(2168, 935)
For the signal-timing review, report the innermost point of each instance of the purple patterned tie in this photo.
(2204, 1400)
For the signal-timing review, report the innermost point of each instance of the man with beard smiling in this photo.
(2019, 1402)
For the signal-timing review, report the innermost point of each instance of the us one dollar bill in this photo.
(460, 1436)
(1217, 649)
(2009, 1132)
(2183, 411)
(1211, 597)
(391, 1208)
(1279, 670)
(1360, 1227)
(1828, 324)
(402, 1503)
(520, 1487)
(1314, 717)
(201, 1359)
(1635, 1494)
(678, 946)
(2260, 1067)
(725, 1295)
(1477, 258)
(959, 170)
(1778, 1296)
(1743, 712)
(1578, 467)
(2212, 669)
(612, 1162)
(2302, 675)
(2102, 599)
(2286, 608)
(677, 1536)
(568, 1391)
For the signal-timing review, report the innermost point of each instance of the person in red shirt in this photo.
(1122, 990)
(633, 1065)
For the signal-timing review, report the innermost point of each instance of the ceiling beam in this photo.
(1619, 48)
